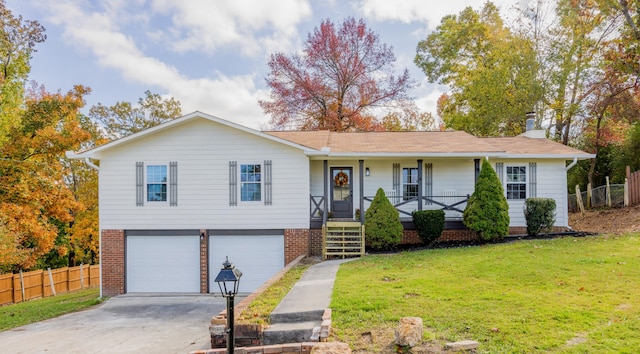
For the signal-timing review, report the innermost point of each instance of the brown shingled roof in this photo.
(427, 142)
(521, 145)
(389, 142)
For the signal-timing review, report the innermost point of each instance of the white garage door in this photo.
(164, 264)
(258, 257)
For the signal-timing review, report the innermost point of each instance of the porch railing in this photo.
(453, 203)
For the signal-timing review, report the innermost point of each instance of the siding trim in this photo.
(233, 183)
(428, 181)
(533, 180)
(173, 183)
(256, 232)
(500, 172)
(268, 183)
(397, 177)
(181, 232)
(139, 183)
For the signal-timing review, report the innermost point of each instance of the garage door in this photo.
(258, 257)
(163, 263)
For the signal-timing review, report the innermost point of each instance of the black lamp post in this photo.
(229, 280)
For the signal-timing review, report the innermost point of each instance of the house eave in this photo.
(405, 154)
(548, 156)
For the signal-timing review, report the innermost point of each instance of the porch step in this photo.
(290, 332)
(343, 239)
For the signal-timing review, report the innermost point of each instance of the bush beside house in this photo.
(540, 214)
(429, 224)
(487, 211)
(383, 229)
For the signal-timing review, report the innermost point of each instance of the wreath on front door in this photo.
(341, 179)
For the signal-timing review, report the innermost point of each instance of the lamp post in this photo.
(229, 280)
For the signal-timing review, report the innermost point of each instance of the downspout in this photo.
(91, 164)
(575, 161)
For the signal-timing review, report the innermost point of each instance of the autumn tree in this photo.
(34, 199)
(124, 118)
(82, 181)
(18, 38)
(342, 75)
(408, 118)
(490, 72)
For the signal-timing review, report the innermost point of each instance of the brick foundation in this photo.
(296, 243)
(315, 240)
(112, 250)
(410, 237)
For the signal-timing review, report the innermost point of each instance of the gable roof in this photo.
(91, 153)
(378, 144)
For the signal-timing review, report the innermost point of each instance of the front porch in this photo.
(453, 206)
(344, 189)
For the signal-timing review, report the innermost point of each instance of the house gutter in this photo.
(91, 164)
(575, 161)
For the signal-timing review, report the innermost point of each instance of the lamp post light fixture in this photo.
(229, 280)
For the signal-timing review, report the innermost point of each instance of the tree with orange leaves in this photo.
(34, 198)
(342, 75)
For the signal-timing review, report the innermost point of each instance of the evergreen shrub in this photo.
(540, 214)
(487, 211)
(429, 224)
(383, 229)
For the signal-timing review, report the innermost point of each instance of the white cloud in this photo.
(233, 98)
(230, 98)
(250, 26)
(407, 11)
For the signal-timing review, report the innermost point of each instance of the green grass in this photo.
(566, 295)
(23, 313)
(259, 310)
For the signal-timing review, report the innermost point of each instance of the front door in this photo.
(342, 192)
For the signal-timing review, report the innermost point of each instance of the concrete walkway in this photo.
(301, 310)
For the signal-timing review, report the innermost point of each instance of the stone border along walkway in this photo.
(221, 318)
(319, 335)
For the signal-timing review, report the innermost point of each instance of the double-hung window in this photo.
(409, 183)
(157, 183)
(516, 182)
(250, 183)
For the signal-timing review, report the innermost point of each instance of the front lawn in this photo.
(23, 313)
(565, 295)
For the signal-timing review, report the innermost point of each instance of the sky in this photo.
(211, 55)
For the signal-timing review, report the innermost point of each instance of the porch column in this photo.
(419, 184)
(361, 166)
(325, 173)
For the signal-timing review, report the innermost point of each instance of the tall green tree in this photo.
(125, 118)
(490, 72)
(574, 57)
(18, 38)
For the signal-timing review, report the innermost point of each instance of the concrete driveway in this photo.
(123, 324)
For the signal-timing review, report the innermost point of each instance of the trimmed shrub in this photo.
(429, 224)
(383, 229)
(487, 211)
(540, 214)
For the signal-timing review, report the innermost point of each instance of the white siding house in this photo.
(178, 198)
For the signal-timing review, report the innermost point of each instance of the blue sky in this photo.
(211, 55)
